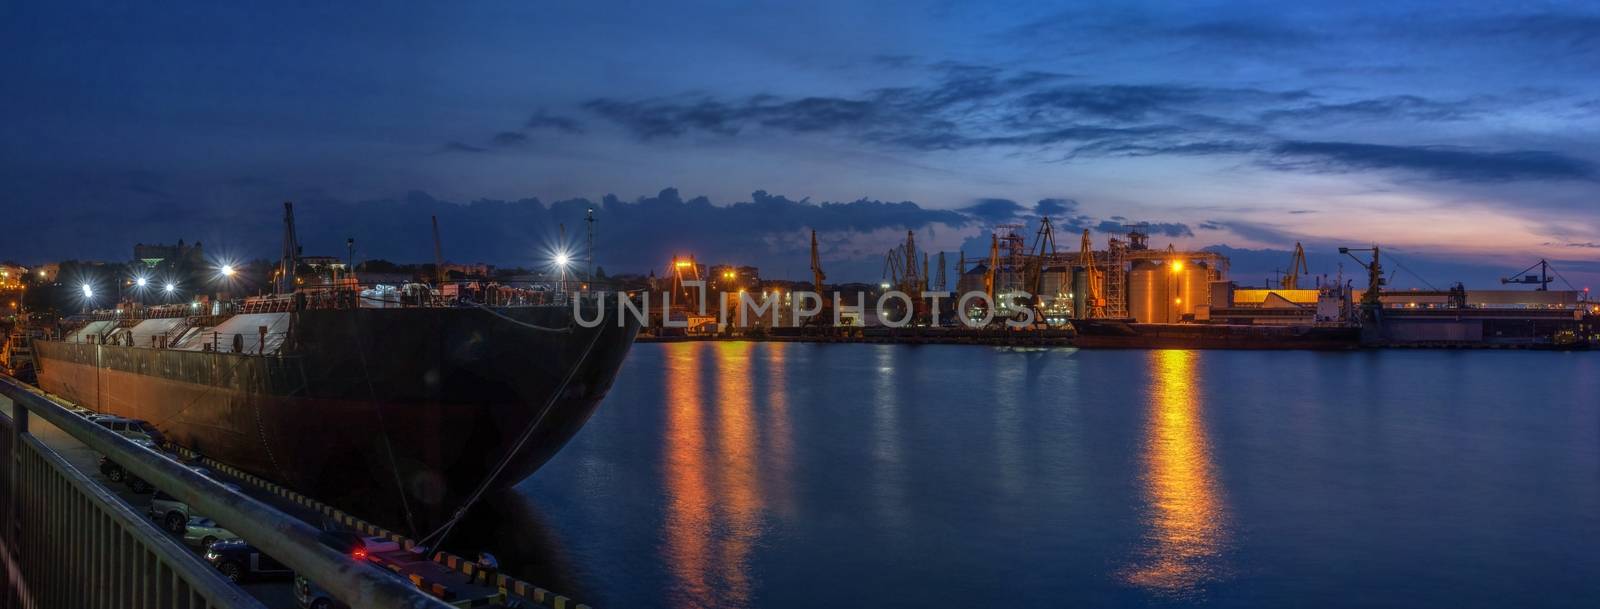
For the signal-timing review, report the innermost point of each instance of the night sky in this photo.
(1461, 137)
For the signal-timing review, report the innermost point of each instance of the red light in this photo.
(359, 554)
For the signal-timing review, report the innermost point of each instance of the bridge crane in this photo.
(1297, 266)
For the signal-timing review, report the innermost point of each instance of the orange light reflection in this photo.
(1187, 528)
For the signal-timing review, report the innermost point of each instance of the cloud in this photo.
(994, 210)
(1169, 229)
(509, 138)
(1055, 207)
(1436, 162)
(1130, 103)
(544, 120)
(1391, 108)
(460, 147)
(971, 106)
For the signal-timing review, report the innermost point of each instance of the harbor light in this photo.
(88, 292)
(562, 259)
(140, 282)
(170, 288)
(227, 270)
(1177, 266)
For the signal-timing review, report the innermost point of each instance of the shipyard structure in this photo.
(1124, 294)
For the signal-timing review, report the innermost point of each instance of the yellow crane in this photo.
(1095, 299)
(1297, 266)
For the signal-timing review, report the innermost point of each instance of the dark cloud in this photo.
(509, 138)
(1254, 231)
(1391, 108)
(460, 147)
(1168, 229)
(994, 210)
(1437, 162)
(544, 120)
(1055, 207)
(1130, 103)
(970, 106)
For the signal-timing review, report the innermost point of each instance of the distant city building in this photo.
(323, 262)
(167, 256)
(12, 275)
(470, 270)
(731, 278)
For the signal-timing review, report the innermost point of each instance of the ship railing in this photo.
(69, 542)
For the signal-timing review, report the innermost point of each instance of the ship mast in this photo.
(291, 251)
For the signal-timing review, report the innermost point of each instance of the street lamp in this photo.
(227, 270)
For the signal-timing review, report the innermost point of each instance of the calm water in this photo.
(788, 475)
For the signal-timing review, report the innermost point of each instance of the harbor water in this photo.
(799, 475)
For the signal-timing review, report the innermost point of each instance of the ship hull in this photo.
(1117, 334)
(367, 404)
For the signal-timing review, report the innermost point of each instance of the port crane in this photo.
(1093, 277)
(1375, 281)
(438, 253)
(291, 251)
(1542, 280)
(1297, 267)
(1044, 251)
(823, 317)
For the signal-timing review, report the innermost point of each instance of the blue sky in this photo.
(1461, 136)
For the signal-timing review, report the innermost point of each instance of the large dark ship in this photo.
(349, 396)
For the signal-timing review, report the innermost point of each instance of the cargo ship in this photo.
(341, 401)
(1126, 334)
(350, 397)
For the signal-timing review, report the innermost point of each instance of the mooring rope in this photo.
(444, 531)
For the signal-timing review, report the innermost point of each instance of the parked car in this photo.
(115, 473)
(132, 428)
(240, 561)
(204, 532)
(173, 514)
(357, 546)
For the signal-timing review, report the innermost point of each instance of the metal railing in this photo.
(68, 542)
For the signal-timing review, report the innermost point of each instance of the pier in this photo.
(72, 538)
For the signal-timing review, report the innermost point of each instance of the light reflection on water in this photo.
(797, 475)
(716, 489)
(1186, 519)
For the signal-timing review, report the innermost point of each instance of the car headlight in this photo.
(211, 555)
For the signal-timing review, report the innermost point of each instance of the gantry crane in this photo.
(1297, 265)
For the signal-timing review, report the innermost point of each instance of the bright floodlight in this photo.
(140, 281)
(562, 259)
(227, 270)
(171, 288)
(88, 292)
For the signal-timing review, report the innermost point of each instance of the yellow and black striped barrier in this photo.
(508, 586)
